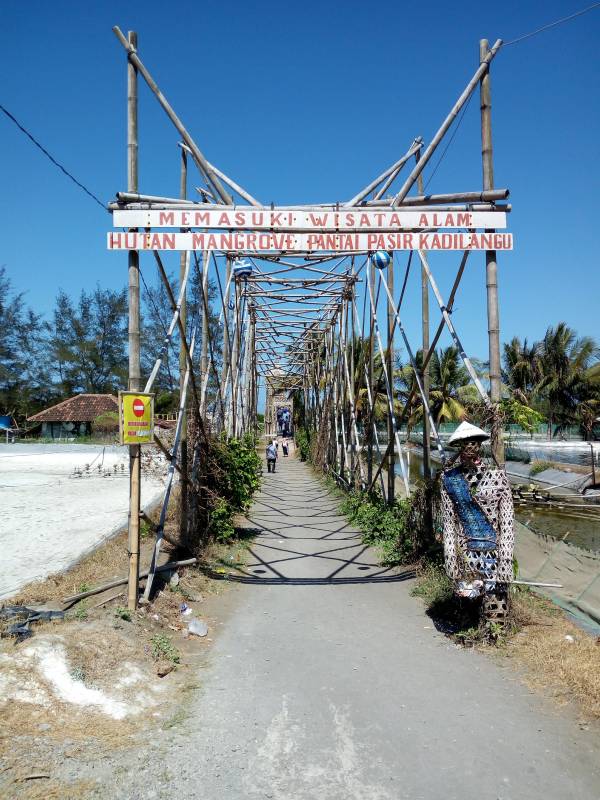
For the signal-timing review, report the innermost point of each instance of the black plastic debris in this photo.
(24, 617)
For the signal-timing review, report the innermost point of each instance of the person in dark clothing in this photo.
(271, 457)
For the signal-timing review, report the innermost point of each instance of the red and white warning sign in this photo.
(136, 418)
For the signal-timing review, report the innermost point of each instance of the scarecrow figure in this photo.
(478, 520)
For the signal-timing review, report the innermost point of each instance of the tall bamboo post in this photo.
(372, 422)
(235, 352)
(204, 350)
(183, 444)
(254, 375)
(491, 266)
(391, 324)
(425, 350)
(134, 383)
(226, 344)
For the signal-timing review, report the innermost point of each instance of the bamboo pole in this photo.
(391, 488)
(184, 266)
(231, 183)
(491, 266)
(477, 201)
(395, 168)
(373, 435)
(430, 149)
(204, 350)
(182, 332)
(201, 162)
(389, 396)
(425, 381)
(372, 394)
(120, 581)
(393, 175)
(134, 382)
(425, 349)
(172, 325)
(235, 356)
(446, 316)
(170, 473)
(129, 198)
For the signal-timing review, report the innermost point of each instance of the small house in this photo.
(74, 417)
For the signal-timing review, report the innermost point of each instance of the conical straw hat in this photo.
(466, 431)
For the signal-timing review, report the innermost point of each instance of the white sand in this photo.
(40, 674)
(48, 518)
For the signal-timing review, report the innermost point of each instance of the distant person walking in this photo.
(271, 457)
(284, 447)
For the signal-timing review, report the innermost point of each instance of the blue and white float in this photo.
(242, 269)
(381, 259)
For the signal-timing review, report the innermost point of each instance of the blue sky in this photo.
(301, 103)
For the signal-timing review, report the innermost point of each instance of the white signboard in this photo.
(257, 242)
(348, 219)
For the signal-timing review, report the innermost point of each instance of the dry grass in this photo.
(97, 642)
(534, 637)
(106, 563)
(567, 669)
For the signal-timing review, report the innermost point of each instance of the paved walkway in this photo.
(329, 682)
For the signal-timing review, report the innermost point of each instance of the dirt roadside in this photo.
(102, 679)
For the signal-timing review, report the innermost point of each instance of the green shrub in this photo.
(106, 424)
(539, 466)
(235, 477)
(433, 585)
(236, 471)
(382, 525)
(163, 647)
(303, 444)
(220, 524)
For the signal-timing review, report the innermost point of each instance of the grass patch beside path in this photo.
(556, 656)
(540, 466)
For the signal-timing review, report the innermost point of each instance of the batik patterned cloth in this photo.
(463, 562)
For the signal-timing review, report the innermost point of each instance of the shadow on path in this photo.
(302, 540)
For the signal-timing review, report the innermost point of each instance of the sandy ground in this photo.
(49, 516)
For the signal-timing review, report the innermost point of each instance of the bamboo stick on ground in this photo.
(120, 581)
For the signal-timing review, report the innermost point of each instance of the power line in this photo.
(450, 140)
(506, 44)
(157, 313)
(552, 24)
(52, 159)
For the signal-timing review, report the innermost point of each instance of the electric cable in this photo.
(52, 159)
(552, 25)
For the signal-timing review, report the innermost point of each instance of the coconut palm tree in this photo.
(564, 384)
(378, 388)
(522, 369)
(448, 391)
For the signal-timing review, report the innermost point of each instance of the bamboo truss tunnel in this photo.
(324, 328)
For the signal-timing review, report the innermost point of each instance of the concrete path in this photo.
(329, 682)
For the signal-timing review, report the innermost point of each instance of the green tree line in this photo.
(555, 381)
(82, 345)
